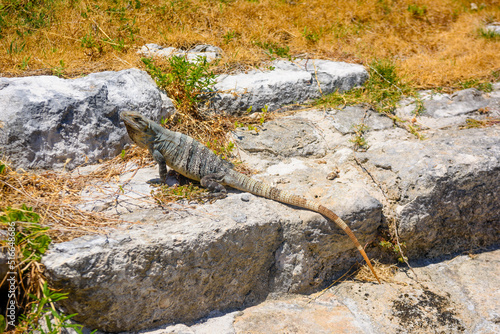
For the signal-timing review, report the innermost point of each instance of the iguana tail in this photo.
(245, 183)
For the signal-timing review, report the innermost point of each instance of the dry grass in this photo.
(56, 196)
(385, 272)
(433, 43)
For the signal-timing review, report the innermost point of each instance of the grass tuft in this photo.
(27, 241)
(382, 91)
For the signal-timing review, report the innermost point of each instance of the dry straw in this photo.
(56, 195)
(433, 43)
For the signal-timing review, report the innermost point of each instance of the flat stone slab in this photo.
(286, 83)
(209, 52)
(451, 296)
(443, 111)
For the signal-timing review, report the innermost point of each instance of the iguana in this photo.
(192, 159)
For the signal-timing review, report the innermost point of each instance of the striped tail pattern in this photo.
(244, 183)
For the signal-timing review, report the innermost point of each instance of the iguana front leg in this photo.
(212, 183)
(162, 165)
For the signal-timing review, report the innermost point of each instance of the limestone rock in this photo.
(493, 27)
(286, 83)
(210, 52)
(450, 296)
(230, 254)
(286, 137)
(49, 120)
(447, 110)
(193, 261)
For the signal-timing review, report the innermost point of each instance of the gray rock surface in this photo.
(210, 52)
(48, 120)
(230, 254)
(189, 261)
(444, 188)
(284, 137)
(452, 296)
(493, 27)
(448, 110)
(286, 83)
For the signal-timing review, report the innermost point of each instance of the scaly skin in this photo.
(195, 161)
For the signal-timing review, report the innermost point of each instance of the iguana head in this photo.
(138, 127)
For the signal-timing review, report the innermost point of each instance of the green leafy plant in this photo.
(15, 47)
(43, 308)
(395, 249)
(27, 16)
(262, 118)
(382, 92)
(31, 242)
(92, 43)
(24, 63)
(419, 106)
(222, 150)
(59, 70)
(312, 36)
(486, 87)
(229, 36)
(488, 34)
(187, 82)
(273, 50)
(358, 138)
(417, 11)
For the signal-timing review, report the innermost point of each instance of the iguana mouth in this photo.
(136, 126)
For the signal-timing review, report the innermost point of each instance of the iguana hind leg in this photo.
(212, 183)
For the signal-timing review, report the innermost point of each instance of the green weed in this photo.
(186, 82)
(229, 36)
(395, 249)
(42, 309)
(488, 34)
(91, 42)
(223, 150)
(60, 69)
(273, 50)
(14, 47)
(358, 138)
(27, 16)
(24, 63)
(486, 87)
(417, 11)
(33, 299)
(419, 106)
(382, 91)
(312, 36)
(262, 118)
